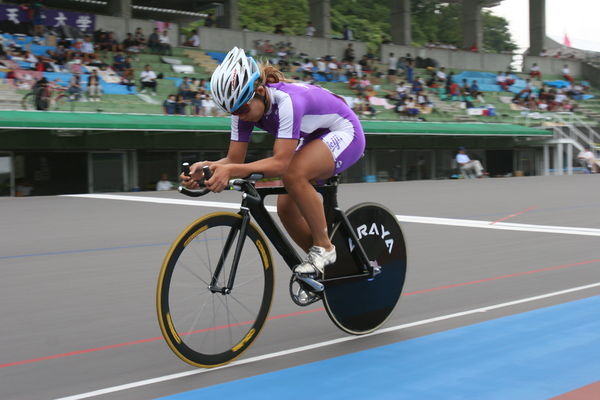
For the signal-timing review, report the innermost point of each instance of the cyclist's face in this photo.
(253, 110)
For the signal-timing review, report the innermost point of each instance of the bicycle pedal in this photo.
(302, 293)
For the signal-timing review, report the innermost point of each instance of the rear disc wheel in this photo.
(361, 305)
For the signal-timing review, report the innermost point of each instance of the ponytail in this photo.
(271, 74)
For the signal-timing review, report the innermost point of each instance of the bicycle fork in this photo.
(241, 229)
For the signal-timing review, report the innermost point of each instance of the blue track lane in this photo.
(533, 355)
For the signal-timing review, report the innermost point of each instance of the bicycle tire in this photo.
(361, 305)
(28, 101)
(203, 328)
(62, 102)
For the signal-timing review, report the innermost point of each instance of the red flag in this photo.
(566, 41)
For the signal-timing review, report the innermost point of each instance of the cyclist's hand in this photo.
(219, 179)
(191, 181)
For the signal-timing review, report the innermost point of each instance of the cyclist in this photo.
(316, 134)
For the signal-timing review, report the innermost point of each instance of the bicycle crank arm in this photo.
(316, 286)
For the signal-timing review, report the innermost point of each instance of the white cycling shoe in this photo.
(316, 260)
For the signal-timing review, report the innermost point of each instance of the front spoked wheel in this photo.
(360, 305)
(205, 326)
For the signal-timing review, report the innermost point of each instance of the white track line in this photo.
(165, 378)
(467, 223)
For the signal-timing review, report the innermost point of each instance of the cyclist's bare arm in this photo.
(276, 165)
(233, 164)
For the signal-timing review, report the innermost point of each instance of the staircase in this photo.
(202, 59)
(9, 99)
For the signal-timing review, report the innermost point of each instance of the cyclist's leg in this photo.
(293, 221)
(312, 162)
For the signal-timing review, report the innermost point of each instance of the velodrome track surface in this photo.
(495, 306)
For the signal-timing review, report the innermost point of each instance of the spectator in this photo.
(197, 104)
(165, 43)
(194, 86)
(310, 29)
(349, 54)
(164, 183)
(87, 50)
(474, 48)
(333, 70)
(278, 29)
(209, 21)
(347, 33)
(476, 92)
(410, 107)
(527, 90)
(392, 67)
(110, 43)
(170, 105)
(128, 79)
(148, 80)
(453, 90)
(130, 45)
(185, 89)
(140, 38)
(587, 160)
(534, 72)
(41, 91)
(74, 89)
(181, 105)
(501, 81)
(119, 62)
(441, 75)
(193, 41)
(93, 86)
(468, 168)
(566, 73)
(408, 69)
(307, 68)
(154, 41)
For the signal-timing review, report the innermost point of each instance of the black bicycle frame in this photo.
(253, 204)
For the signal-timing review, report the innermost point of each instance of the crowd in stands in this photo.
(79, 62)
(84, 61)
(192, 98)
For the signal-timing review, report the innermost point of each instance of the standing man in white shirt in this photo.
(310, 29)
(587, 159)
(165, 43)
(468, 168)
(148, 80)
(392, 67)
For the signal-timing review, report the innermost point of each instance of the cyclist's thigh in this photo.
(312, 161)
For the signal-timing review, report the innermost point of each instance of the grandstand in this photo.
(430, 135)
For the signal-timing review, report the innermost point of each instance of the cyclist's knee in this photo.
(293, 177)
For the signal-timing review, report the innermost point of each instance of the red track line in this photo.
(512, 215)
(281, 316)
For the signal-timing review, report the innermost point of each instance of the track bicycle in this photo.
(216, 283)
(56, 98)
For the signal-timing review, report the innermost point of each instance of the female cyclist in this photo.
(316, 136)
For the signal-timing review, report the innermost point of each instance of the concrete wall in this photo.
(454, 59)
(224, 39)
(121, 26)
(553, 66)
(591, 74)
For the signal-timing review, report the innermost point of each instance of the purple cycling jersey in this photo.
(299, 111)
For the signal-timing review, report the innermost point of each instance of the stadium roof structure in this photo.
(48, 120)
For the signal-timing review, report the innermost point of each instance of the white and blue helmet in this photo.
(232, 83)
